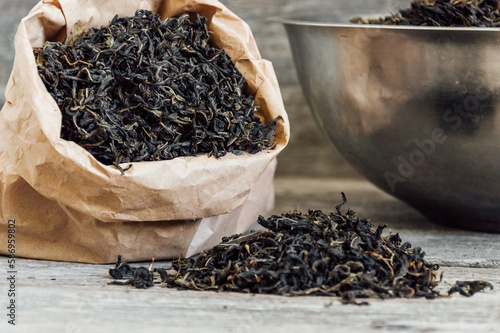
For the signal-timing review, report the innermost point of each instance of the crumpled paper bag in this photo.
(68, 206)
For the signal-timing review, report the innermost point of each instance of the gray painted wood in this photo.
(63, 297)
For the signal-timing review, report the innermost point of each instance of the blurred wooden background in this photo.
(308, 154)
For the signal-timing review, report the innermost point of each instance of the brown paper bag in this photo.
(69, 206)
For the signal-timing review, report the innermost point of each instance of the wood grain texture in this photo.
(63, 297)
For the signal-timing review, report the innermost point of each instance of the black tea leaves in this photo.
(321, 254)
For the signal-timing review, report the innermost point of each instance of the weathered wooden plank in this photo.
(80, 300)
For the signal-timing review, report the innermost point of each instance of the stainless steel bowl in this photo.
(414, 109)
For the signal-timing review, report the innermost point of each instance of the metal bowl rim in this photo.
(299, 22)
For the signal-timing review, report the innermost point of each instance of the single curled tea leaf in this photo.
(140, 277)
(469, 288)
(121, 270)
(143, 89)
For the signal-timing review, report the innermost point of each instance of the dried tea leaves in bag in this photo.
(444, 13)
(144, 89)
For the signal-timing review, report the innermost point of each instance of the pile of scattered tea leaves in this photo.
(144, 89)
(305, 254)
(444, 13)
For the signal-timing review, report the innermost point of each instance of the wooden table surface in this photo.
(66, 297)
